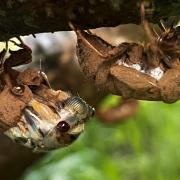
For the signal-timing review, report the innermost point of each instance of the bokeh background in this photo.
(145, 147)
(141, 145)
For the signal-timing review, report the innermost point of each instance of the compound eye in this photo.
(63, 126)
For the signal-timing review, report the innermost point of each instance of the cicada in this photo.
(43, 128)
(42, 119)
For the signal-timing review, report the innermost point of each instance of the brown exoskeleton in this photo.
(31, 112)
(163, 44)
(134, 70)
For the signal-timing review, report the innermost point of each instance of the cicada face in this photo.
(45, 128)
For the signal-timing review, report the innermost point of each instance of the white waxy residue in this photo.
(156, 73)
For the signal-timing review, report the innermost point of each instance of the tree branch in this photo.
(23, 17)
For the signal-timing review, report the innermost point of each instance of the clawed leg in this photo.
(16, 58)
(98, 45)
(20, 57)
(2, 57)
(21, 44)
(154, 40)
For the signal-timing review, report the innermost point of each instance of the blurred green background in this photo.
(145, 146)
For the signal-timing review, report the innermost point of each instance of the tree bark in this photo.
(23, 17)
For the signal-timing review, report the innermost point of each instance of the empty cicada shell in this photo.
(133, 70)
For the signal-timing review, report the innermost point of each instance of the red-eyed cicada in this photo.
(37, 116)
(43, 128)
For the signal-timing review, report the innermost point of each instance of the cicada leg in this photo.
(155, 39)
(98, 45)
(20, 57)
(2, 57)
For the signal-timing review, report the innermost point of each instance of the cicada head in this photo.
(44, 128)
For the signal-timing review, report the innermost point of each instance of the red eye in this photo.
(63, 126)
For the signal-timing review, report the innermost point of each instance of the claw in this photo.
(21, 44)
(163, 25)
(98, 45)
(15, 43)
(2, 55)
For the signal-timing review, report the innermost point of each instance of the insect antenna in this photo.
(41, 72)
